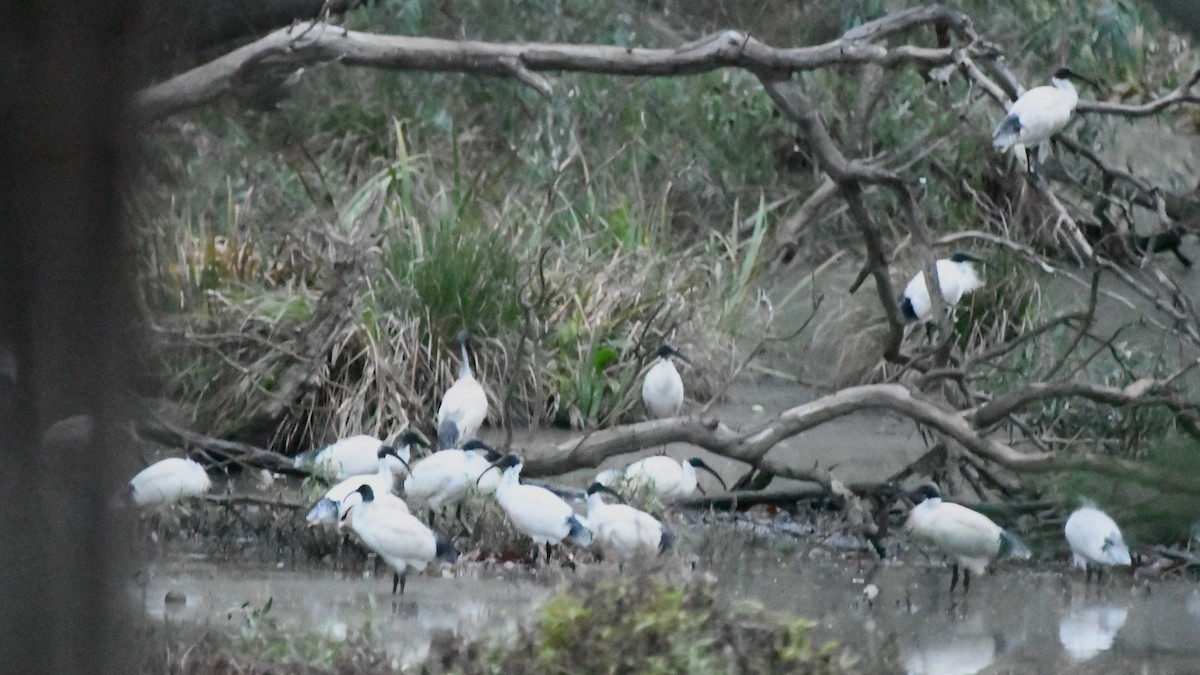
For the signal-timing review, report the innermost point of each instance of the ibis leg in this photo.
(547, 553)
(459, 518)
(966, 580)
(1087, 575)
(395, 581)
(953, 577)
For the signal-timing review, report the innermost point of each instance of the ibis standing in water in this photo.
(168, 481)
(670, 479)
(351, 456)
(956, 278)
(1038, 114)
(443, 477)
(1095, 541)
(464, 405)
(662, 389)
(382, 482)
(622, 529)
(385, 526)
(970, 538)
(536, 511)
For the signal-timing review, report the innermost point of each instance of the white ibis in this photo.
(382, 481)
(662, 388)
(970, 538)
(385, 526)
(353, 456)
(536, 511)
(622, 529)
(464, 405)
(1039, 113)
(443, 477)
(956, 277)
(669, 478)
(168, 481)
(1095, 541)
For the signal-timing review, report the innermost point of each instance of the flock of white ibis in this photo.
(365, 468)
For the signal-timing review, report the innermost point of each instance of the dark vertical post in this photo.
(64, 309)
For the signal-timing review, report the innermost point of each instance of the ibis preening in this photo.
(956, 277)
(381, 482)
(970, 538)
(385, 526)
(355, 455)
(624, 530)
(168, 481)
(670, 479)
(464, 405)
(443, 477)
(536, 511)
(1038, 114)
(662, 389)
(1095, 541)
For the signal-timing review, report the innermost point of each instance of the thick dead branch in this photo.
(224, 451)
(1181, 94)
(283, 53)
(752, 445)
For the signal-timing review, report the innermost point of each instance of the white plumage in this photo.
(662, 388)
(970, 538)
(1095, 540)
(464, 405)
(1088, 631)
(169, 480)
(383, 481)
(536, 511)
(670, 479)
(385, 526)
(624, 530)
(956, 277)
(1039, 113)
(444, 477)
(351, 456)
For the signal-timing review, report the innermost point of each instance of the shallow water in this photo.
(1014, 620)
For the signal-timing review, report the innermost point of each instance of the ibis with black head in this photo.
(385, 526)
(464, 405)
(535, 511)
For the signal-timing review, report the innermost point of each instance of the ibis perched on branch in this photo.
(1095, 541)
(385, 526)
(956, 277)
(536, 511)
(1038, 114)
(970, 538)
(464, 405)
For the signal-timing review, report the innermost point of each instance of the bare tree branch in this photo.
(283, 53)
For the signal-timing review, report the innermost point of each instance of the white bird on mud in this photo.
(956, 277)
(351, 456)
(169, 480)
(443, 477)
(382, 481)
(385, 526)
(1095, 541)
(662, 388)
(669, 478)
(536, 511)
(1038, 114)
(970, 538)
(622, 529)
(464, 405)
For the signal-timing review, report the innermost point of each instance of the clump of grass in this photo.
(648, 625)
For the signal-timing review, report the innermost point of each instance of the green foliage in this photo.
(647, 625)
